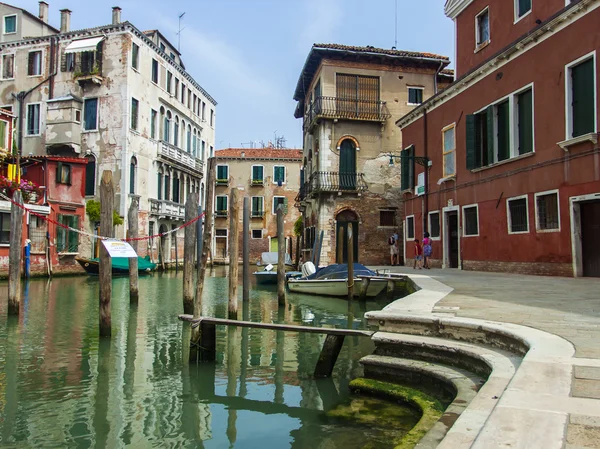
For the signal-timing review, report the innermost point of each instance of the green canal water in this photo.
(62, 386)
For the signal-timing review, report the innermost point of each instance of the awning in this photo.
(81, 45)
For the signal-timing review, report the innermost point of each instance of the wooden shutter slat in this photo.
(525, 122)
(471, 125)
(490, 134)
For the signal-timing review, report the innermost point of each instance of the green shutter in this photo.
(471, 124)
(59, 172)
(285, 205)
(526, 122)
(73, 246)
(411, 167)
(582, 77)
(490, 135)
(405, 169)
(222, 172)
(503, 131)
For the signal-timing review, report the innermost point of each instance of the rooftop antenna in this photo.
(179, 33)
(396, 27)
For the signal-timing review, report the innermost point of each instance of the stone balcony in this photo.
(172, 154)
(165, 208)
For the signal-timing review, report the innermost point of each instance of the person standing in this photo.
(393, 250)
(427, 250)
(418, 255)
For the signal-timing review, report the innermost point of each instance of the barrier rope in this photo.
(87, 234)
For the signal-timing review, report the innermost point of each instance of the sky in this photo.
(248, 54)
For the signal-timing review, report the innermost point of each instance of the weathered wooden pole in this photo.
(195, 349)
(174, 237)
(340, 248)
(280, 258)
(350, 262)
(297, 260)
(132, 218)
(234, 224)
(189, 248)
(319, 247)
(107, 198)
(246, 251)
(14, 254)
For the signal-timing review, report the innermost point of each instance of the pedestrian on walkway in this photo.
(418, 255)
(393, 250)
(427, 250)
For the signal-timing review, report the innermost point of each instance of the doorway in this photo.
(451, 238)
(274, 244)
(342, 220)
(585, 235)
(347, 165)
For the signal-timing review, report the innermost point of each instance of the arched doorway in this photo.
(347, 165)
(342, 220)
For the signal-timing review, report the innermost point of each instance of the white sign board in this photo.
(118, 248)
(421, 184)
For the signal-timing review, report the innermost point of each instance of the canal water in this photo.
(62, 386)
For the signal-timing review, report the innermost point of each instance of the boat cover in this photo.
(272, 258)
(122, 263)
(340, 271)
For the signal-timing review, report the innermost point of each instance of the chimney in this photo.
(116, 15)
(44, 12)
(65, 20)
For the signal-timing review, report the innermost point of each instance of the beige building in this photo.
(117, 96)
(269, 177)
(349, 99)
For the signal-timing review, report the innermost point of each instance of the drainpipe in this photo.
(435, 81)
(426, 195)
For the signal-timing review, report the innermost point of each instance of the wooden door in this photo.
(590, 238)
(453, 239)
(347, 170)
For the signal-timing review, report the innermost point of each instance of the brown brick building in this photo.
(349, 99)
(270, 177)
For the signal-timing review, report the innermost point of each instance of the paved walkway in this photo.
(567, 307)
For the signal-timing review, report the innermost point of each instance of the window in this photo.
(172, 56)
(221, 205)
(257, 233)
(277, 200)
(415, 95)
(279, 174)
(581, 88)
(153, 115)
(203, 148)
(10, 24)
(90, 114)
(176, 91)
(67, 241)
(176, 132)
(257, 174)
(8, 66)
(33, 119)
(90, 176)
(407, 168)
(434, 225)
(167, 180)
(212, 150)
(134, 113)
(159, 185)
(169, 81)
(222, 173)
(183, 93)
(135, 56)
(4, 227)
(257, 206)
(212, 118)
(189, 98)
(356, 96)
(518, 220)
(4, 135)
(34, 66)
(176, 189)
(132, 175)
(471, 221)
(522, 8)
(167, 127)
(410, 227)
(69, 62)
(77, 115)
(449, 145)
(162, 47)
(203, 111)
(482, 28)
(155, 71)
(387, 218)
(195, 144)
(547, 211)
(63, 173)
(525, 121)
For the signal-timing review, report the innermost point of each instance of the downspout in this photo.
(426, 180)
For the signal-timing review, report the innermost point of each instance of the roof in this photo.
(147, 32)
(447, 72)
(33, 16)
(364, 54)
(258, 153)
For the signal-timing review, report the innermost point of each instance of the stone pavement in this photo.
(566, 307)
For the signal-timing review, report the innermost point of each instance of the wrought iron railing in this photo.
(344, 108)
(324, 181)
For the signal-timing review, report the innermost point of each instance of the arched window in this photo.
(160, 185)
(189, 139)
(176, 132)
(347, 165)
(90, 175)
(167, 128)
(195, 140)
(167, 186)
(132, 174)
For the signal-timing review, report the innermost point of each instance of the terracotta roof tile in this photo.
(384, 51)
(259, 153)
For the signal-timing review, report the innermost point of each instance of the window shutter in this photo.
(471, 141)
(68, 174)
(285, 205)
(503, 131)
(63, 63)
(98, 61)
(30, 65)
(583, 97)
(404, 170)
(490, 134)
(73, 236)
(411, 167)
(526, 122)
(59, 172)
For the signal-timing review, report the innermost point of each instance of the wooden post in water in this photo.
(132, 233)
(174, 237)
(189, 248)
(107, 198)
(280, 257)
(350, 262)
(234, 224)
(297, 261)
(246, 251)
(340, 248)
(14, 254)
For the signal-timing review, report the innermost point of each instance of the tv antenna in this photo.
(179, 33)
(396, 26)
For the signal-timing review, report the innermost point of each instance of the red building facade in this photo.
(514, 179)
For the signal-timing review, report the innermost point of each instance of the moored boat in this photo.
(268, 275)
(120, 265)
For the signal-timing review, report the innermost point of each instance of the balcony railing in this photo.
(221, 213)
(167, 208)
(343, 108)
(174, 154)
(323, 181)
(257, 213)
(222, 182)
(257, 182)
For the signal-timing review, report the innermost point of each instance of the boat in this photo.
(120, 265)
(268, 275)
(333, 280)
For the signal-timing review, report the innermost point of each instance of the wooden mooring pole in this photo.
(280, 257)
(340, 248)
(14, 254)
(107, 198)
(132, 233)
(350, 262)
(234, 224)
(297, 261)
(246, 251)
(189, 248)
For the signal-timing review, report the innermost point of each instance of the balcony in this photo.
(167, 208)
(221, 214)
(323, 181)
(222, 182)
(257, 213)
(172, 154)
(348, 109)
(257, 182)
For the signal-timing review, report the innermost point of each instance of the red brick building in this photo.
(514, 179)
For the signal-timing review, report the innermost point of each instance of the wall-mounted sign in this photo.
(421, 184)
(118, 248)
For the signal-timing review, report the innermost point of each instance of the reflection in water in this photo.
(60, 385)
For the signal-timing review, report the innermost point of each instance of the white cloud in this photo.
(322, 18)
